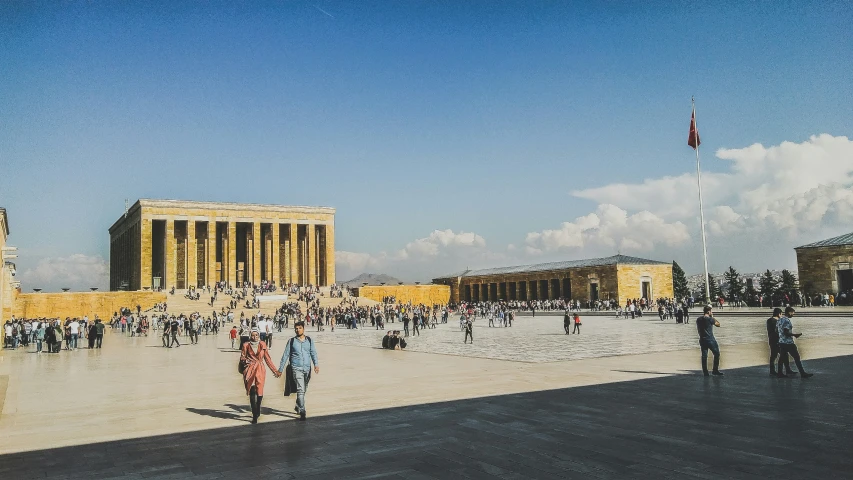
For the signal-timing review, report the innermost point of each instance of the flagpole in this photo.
(701, 209)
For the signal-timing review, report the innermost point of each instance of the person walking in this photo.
(298, 355)
(233, 335)
(175, 331)
(577, 328)
(787, 345)
(254, 355)
(705, 326)
(567, 322)
(99, 332)
(58, 335)
(92, 335)
(38, 334)
(192, 327)
(469, 330)
(773, 343)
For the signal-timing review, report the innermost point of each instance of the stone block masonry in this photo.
(62, 305)
(417, 294)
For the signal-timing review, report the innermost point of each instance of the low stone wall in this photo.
(61, 305)
(427, 294)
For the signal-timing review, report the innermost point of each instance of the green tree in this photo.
(769, 287)
(679, 282)
(788, 286)
(735, 284)
(749, 294)
(714, 291)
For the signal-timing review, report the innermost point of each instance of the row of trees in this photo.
(771, 292)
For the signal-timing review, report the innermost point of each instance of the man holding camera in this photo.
(705, 326)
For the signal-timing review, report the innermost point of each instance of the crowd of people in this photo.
(52, 333)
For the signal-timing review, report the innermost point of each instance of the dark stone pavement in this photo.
(745, 425)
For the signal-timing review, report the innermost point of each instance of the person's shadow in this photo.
(239, 412)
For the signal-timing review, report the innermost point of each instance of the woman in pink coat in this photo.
(253, 355)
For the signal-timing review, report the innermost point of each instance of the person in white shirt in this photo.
(262, 329)
(74, 330)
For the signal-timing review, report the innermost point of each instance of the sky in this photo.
(448, 135)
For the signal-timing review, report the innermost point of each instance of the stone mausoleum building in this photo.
(182, 244)
(826, 266)
(619, 277)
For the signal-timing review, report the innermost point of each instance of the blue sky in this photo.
(408, 117)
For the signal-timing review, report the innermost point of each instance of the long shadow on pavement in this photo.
(744, 425)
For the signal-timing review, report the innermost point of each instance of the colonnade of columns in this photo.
(192, 253)
(536, 289)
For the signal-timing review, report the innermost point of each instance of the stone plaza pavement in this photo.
(542, 339)
(511, 406)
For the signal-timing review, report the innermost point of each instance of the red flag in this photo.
(693, 139)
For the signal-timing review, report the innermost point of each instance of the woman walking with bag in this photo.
(252, 358)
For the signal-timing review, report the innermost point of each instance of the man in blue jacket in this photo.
(300, 353)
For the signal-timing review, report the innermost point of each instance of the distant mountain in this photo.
(372, 279)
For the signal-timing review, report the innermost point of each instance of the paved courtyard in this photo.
(542, 339)
(624, 399)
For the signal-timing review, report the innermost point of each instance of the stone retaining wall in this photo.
(61, 305)
(427, 294)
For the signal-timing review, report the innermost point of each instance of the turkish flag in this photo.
(693, 139)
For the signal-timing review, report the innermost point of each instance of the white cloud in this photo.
(669, 197)
(794, 186)
(783, 194)
(77, 272)
(610, 227)
(441, 242)
(435, 254)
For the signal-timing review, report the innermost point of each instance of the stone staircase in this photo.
(177, 303)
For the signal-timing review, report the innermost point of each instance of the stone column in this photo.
(231, 278)
(330, 253)
(248, 266)
(256, 253)
(170, 276)
(273, 254)
(192, 255)
(210, 251)
(311, 235)
(145, 253)
(295, 261)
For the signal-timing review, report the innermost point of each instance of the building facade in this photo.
(7, 269)
(619, 277)
(826, 266)
(160, 244)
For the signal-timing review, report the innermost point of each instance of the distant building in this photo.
(619, 277)
(826, 266)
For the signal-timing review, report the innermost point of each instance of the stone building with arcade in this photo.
(619, 277)
(160, 244)
(826, 266)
